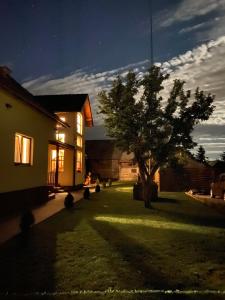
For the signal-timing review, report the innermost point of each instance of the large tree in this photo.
(153, 128)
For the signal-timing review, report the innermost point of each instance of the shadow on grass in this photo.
(27, 265)
(150, 272)
(166, 200)
(27, 261)
(139, 259)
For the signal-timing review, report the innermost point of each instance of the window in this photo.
(79, 161)
(63, 119)
(23, 149)
(79, 141)
(61, 160)
(79, 123)
(60, 137)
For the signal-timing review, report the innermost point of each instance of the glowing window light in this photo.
(60, 160)
(79, 161)
(23, 149)
(60, 137)
(79, 141)
(79, 123)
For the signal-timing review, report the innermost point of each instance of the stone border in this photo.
(214, 203)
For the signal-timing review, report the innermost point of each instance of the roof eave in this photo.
(88, 113)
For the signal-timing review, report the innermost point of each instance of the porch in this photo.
(61, 165)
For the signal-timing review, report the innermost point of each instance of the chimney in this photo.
(5, 71)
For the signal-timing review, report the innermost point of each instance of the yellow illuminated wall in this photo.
(71, 137)
(23, 119)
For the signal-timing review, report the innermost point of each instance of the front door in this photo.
(55, 164)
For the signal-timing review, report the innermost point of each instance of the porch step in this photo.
(51, 196)
(58, 189)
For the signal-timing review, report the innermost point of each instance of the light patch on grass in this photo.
(126, 189)
(160, 224)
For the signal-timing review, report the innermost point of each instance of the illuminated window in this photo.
(79, 123)
(23, 149)
(60, 160)
(79, 141)
(79, 161)
(63, 119)
(60, 137)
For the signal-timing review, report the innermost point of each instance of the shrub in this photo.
(26, 221)
(86, 193)
(97, 188)
(69, 201)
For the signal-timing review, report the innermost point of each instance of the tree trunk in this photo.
(150, 192)
(149, 187)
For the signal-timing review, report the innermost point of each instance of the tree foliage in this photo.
(153, 128)
(200, 156)
(222, 156)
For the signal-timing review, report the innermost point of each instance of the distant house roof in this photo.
(217, 164)
(67, 103)
(13, 87)
(105, 150)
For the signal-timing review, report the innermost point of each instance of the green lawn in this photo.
(113, 242)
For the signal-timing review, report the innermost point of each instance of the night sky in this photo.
(79, 46)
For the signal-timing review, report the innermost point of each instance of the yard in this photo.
(113, 243)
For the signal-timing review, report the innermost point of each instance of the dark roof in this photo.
(13, 87)
(67, 103)
(62, 103)
(102, 149)
(105, 150)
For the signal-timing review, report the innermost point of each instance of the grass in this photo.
(113, 242)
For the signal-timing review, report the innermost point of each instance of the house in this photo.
(66, 155)
(106, 160)
(39, 147)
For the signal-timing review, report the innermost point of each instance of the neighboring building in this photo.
(106, 160)
(190, 175)
(69, 144)
(218, 167)
(38, 148)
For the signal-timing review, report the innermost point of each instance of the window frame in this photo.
(21, 143)
(61, 160)
(60, 139)
(80, 161)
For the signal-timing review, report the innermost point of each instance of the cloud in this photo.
(190, 9)
(206, 33)
(81, 82)
(212, 138)
(202, 66)
(216, 30)
(192, 28)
